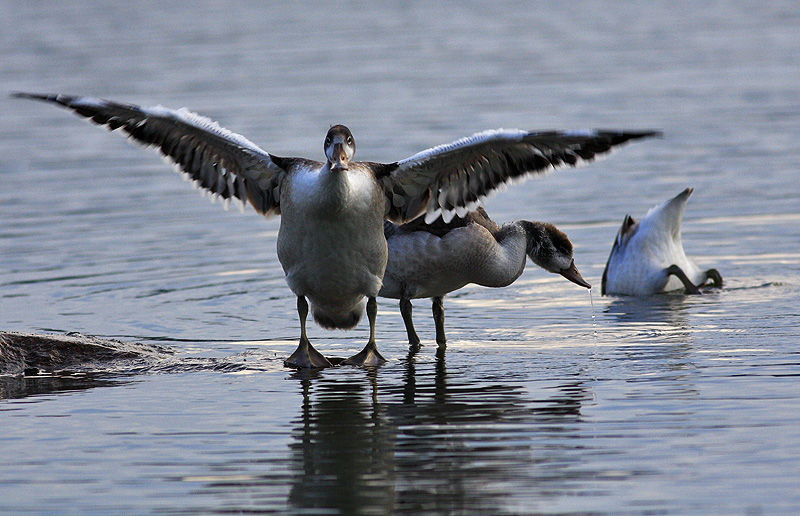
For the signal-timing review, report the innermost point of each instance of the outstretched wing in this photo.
(450, 179)
(223, 163)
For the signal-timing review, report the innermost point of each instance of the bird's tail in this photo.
(337, 319)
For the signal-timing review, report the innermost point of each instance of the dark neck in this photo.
(536, 236)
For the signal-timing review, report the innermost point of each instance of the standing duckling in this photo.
(648, 257)
(432, 260)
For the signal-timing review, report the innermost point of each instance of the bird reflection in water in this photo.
(343, 451)
(428, 442)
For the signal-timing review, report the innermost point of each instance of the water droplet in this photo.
(594, 320)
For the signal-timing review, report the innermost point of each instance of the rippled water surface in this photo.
(544, 402)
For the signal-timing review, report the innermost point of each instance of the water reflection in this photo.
(343, 451)
(656, 338)
(660, 308)
(12, 387)
(431, 442)
(463, 446)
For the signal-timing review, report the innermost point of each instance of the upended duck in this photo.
(647, 256)
(432, 260)
(330, 243)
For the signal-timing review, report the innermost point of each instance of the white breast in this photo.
(331, 242)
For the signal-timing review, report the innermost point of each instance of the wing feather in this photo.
(451, 179)
(222, 163)
(625, 233)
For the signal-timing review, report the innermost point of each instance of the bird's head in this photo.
(550, 249)
(339, 147)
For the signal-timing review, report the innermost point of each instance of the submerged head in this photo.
(339, 147)
(550, 249)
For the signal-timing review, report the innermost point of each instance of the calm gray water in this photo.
(542, 403)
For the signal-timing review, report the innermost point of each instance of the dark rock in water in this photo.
(31, 354)
(36, 363)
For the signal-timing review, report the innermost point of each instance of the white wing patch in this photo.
(481, 137)
(204, 123)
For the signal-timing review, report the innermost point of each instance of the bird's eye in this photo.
(349, 141)
(328, 141)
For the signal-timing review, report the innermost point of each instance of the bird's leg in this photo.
(438, 319)
(405, 311)
(305, 355)
(715, 277)
(368, 356)
(691, 288)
